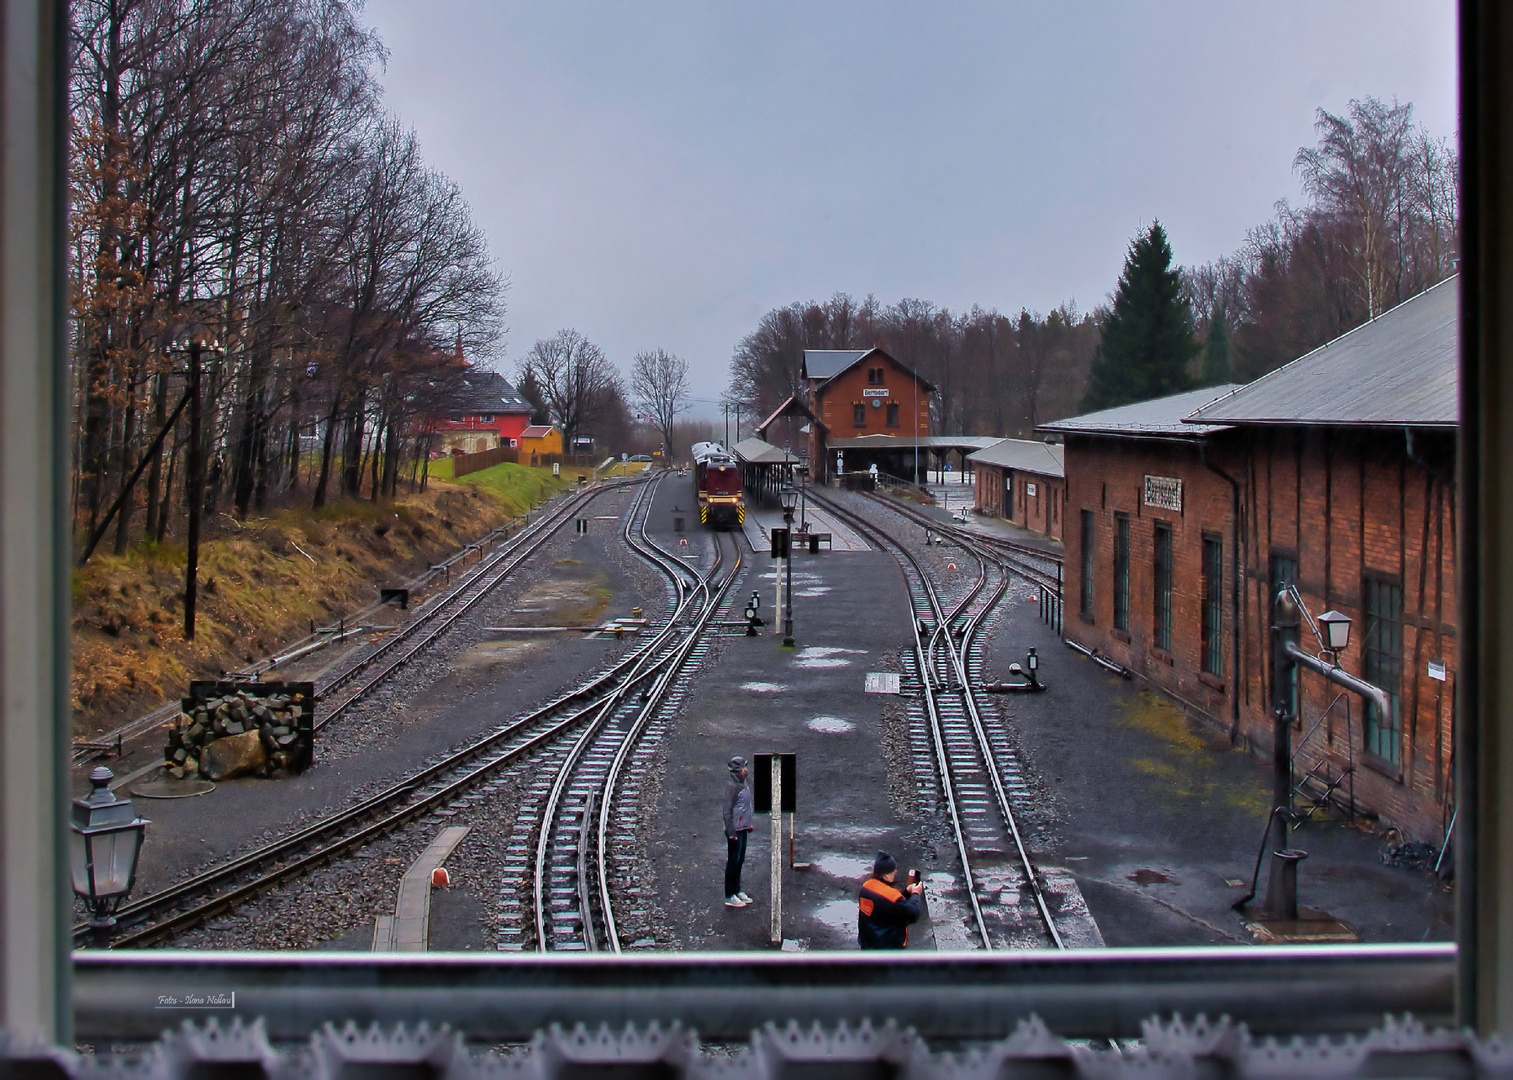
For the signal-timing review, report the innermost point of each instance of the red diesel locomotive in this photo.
(717, 478)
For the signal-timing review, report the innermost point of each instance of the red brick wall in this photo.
(1347, 505)
(1044, 512)
(1107, 476)
(834, 407)
(1344, 505)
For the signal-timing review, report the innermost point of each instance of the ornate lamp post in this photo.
(789, 498)
(103, 848)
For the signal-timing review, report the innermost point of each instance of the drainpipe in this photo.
(1234, 592)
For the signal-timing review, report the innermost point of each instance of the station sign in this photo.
(1164, 493)
(874, 391)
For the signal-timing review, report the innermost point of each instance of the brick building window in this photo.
(858, 416)
(1284, 571)
(892, 415)
(1121, 572)
(1163, 580)
(1384, 665)
(1212, 618)
(1087, 563)
(1008, 494)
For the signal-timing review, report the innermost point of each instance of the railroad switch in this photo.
(752, 620)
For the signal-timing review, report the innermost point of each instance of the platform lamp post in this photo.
(1286, 657)
(789, 499)
(106, 838)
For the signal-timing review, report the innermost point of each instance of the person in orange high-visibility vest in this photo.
(884, 913)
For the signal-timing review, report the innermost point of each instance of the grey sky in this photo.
(660, 174)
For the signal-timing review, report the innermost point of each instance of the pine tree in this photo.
(1216, 366)
(1147, 341)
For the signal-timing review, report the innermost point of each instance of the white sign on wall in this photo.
(1163, 492)
(1030, 489)
(874, 391)
(1437, 670)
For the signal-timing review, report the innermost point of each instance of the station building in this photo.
(1335, 473)
(849, 394)
(1022, 481)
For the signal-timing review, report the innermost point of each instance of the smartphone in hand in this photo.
(914, 876)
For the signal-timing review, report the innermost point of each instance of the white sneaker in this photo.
(735, 901)
(744, 898)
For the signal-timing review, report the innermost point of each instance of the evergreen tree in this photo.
(1147, 341)
(1216, 367)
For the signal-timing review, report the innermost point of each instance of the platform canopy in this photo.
(760, 452)
(965, 444)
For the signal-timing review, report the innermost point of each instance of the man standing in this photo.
(885, 914)
(738, 826)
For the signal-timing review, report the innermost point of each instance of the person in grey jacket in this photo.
(738, 826)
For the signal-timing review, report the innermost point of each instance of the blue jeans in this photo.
(733, 862)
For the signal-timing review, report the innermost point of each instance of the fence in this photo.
(462, 464)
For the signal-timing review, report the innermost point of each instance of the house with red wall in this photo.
(482, 411)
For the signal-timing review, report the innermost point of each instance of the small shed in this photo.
(1022, 481)
(537, 441)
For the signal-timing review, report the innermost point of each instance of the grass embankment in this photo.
(263, 581)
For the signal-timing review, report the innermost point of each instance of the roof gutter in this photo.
(1236, 534)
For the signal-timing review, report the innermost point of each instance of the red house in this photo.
(484, 411)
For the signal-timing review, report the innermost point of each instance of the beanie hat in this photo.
(883, 864)
(737, 763)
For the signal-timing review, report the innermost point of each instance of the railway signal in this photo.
(752, 620)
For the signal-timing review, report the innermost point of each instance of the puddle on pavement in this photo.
(830, 725)
(822, 662)
(763, 687)
(839, 915)
(843, 866)
(828, 650)
(1149, 877)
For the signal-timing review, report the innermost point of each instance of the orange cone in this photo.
(440, 879)
(950, 566)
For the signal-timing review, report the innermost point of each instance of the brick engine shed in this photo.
(1335, 473)
(1022, 481)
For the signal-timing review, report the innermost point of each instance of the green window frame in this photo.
(1162, 609)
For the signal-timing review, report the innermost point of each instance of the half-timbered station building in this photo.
(1336, 474)
(1022, 481)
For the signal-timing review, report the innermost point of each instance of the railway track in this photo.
(448, 783)
(400, 646)
(574, 834)
(977, 770)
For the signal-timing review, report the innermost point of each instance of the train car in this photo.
(717, 479)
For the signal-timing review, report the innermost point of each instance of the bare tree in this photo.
(577, 381)
(659, 386)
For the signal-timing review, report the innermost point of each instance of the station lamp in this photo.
(1336, 630)
(789, 498)
(103, 848)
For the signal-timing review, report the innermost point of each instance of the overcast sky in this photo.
(660, 174)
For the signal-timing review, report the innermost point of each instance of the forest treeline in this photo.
(242, 202)
(1380, 223)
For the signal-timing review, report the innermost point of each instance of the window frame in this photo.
(1383, 665)
(858, 414)
(1211, 606)
(1121, 572)
(1089, 563)
(1163, 552)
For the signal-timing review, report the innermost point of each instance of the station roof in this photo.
(1398, 370)
(760, 452)
(823, 365)
(909, 442)
(1024, 455)
(1159, 417)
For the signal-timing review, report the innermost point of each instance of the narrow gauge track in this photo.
(447, 782)
(971, 762)
(571, 840)
(1037, 566)
(407, 641)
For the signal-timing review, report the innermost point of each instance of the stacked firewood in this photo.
(238, 734)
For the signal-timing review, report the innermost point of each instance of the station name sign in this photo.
(874, 391)
(1163, 492)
